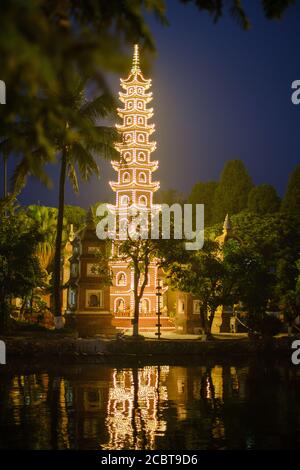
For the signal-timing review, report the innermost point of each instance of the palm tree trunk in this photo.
(59, 230)
(5, 176)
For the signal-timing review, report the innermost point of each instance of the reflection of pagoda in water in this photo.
(135, 398)
(153, 407)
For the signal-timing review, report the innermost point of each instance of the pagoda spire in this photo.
(134, 186)
(136, 60)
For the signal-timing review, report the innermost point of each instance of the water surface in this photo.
(217, 406)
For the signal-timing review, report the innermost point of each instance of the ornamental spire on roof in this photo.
(136, 60)
(135, 187)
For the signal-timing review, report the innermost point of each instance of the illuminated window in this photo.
(140, 105)
(94, 298)
(142, 277)
(143, 200)
(140, 90)
(119, 306)
(141, 138)
(72, 297)
(124, 201)
(129, 120)
(142, 156)
(196, 307)
(130, 105)
(145, 306)
(180, 306)
(127, 156)
(121, 279)
(123, 228)
(142, 177)
(128, 137)
(131, 90)
(126, 177)
(140, 120)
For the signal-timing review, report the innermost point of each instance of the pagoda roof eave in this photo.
(134, 185)
(147, 96)
(135, 127)
(136, 78)
(152, 166)
(135, 145)
(135, 111)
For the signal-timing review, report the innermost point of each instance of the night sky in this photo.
(219, 93)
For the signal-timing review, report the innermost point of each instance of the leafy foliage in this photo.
(20, 271)
(231, 194)
(204, 193)
(291, 200)
(263, 199)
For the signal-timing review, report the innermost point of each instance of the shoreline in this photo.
(68, 349)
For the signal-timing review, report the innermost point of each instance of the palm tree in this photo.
(46, 219)
(71, 124)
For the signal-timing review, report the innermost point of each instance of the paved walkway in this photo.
(176, 336)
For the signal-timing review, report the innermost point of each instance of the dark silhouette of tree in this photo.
(204, 193)
(231, 195)
(263, 199)
(273, 9)
(291, 200)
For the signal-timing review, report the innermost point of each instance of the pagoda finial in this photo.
(227, 224)
(136, 60)
(71, 233)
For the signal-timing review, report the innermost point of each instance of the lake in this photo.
(235, 405)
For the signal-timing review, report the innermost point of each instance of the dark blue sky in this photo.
(219, 93)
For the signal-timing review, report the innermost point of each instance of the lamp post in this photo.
(158, 294)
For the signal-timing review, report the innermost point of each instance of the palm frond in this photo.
(73, 177)
(84, 159)
(102, 106)
(238, 13)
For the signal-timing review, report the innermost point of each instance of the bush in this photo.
(270, 325)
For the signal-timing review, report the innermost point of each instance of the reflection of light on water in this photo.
(235, 384)
(217, 380)
(123, 417)
(218, 429)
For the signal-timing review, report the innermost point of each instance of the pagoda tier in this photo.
(152, 166)
(134, 185)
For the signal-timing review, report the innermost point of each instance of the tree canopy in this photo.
(232, 192)
(263, 199)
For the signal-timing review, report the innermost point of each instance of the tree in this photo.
(272, 9)
(20, 271)
(202, 274)
(232, 192)
(139, 253)
(46, 220)
(75, 215)
(291, 200)
(46, 37)
(275, 237)
(170, 197)
(252, 282)
(204, 193)
(78, 142)
(263, 199)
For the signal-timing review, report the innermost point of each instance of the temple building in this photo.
(134, 187)
(93, 306)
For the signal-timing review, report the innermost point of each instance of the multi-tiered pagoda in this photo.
(134, 186)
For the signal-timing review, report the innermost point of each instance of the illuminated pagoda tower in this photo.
(134, 187)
